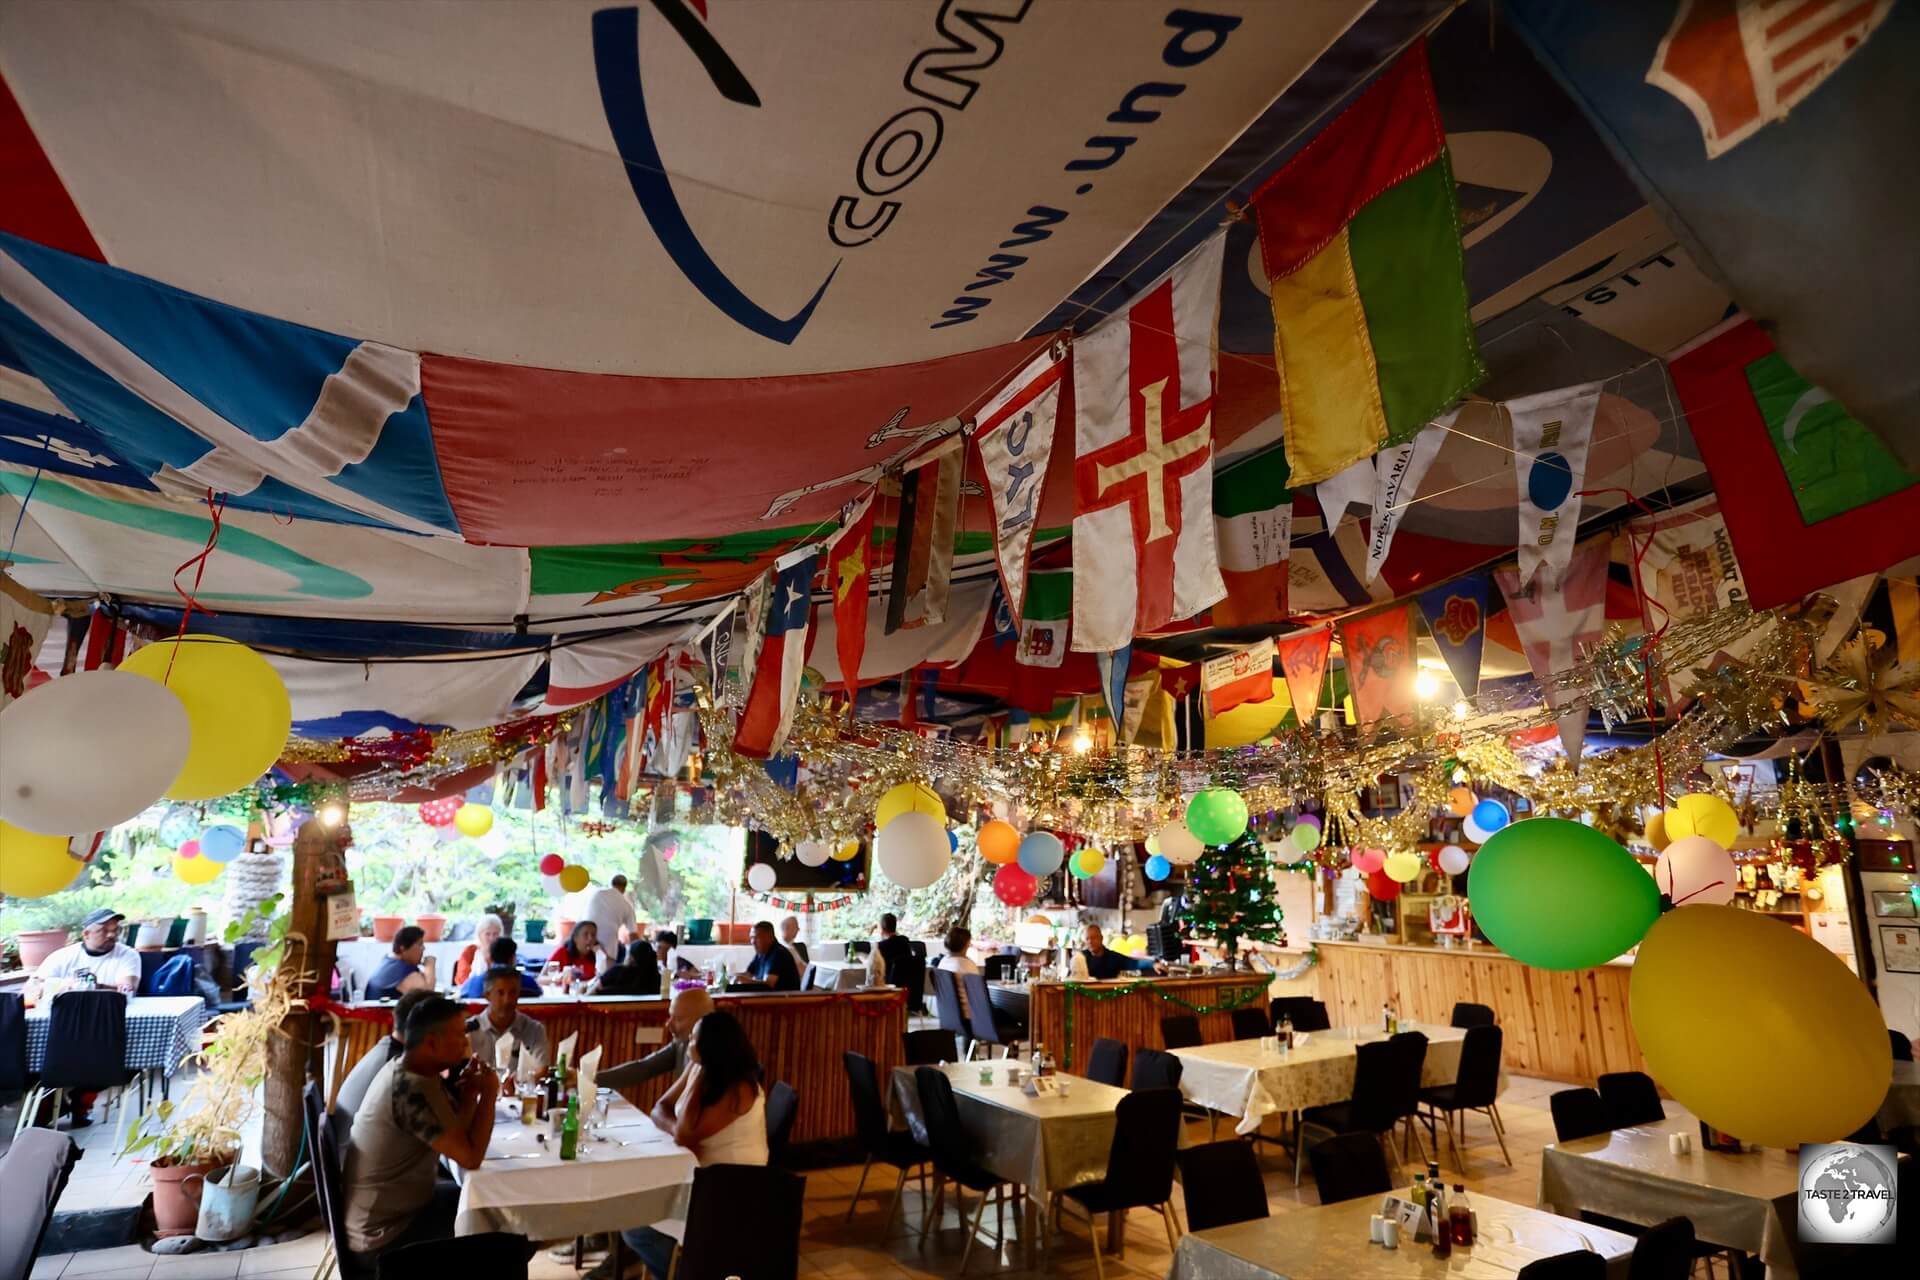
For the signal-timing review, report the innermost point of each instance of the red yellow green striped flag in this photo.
(1360, 235)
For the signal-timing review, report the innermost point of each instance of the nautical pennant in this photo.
(1400, 471)
(850, 579)
(1303, 657)
(1253, 528)
(1015, 439)
(1551, 432)
(1245, 675)
(1456, 614)
(1555, 620)
(1380, 663)
(923, 556)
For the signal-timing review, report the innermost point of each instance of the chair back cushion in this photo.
(1180, 1031)
(1409, 1062)
(1250, 1023)
(1107, 1062)
(714, 1247)
(1630, 1097)
(1307, 1013)
(86, 1041)
(1577, 1113)
(930, 1046)
(979, 1009)
(1581, 1264)
(13, 1041)
(1155, 1069)
(173, 978)
(1664, 1252)
(1146, 1133)
(944, 1136)
(946, 995)
(1223, 1184)
(1468, 1014)
(34, 1171)
(329, 1179)
(782, 1105)
(1478, 1081)
(1349, 1165)
(1375, 1099)
(869, 1109)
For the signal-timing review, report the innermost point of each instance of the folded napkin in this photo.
(589, 1071)
(529, 1069)
(566, 1047)
(503, 1053)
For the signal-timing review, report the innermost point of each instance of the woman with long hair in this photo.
(580, 950)
(717, 1109)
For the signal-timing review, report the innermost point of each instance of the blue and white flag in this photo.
(1015, 439)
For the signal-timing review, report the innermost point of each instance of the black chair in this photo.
(329, 1181)
(491, 1253)
(714, 1247)
(1155, 1069)
(1475, 1088)
(1372, 1107)
(34, 1171)
(1902, 1047)
(1107, 1062)
(1665, 1251)
(929, 1047)
(882, 1143)
(1629, 1098)
(860, 947)
(946, 1001)
(1306, 1013)
(1466, 1014)
(1250, 1023)
(953, 1159)
(86, 1050)
(13, 1044)
(1578, 1113)
(1349, 1165)
(914, 976)
(782, 1104)
(989, 1024)
(1578, 1265)
(1180, 1031)
(1146, 1133)
(1223, 1184)
(807, 976)
(1410, 1063)
(1000, 968)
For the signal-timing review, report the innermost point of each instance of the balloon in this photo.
(811, 853)
(908, 797)
(912, 849)
(953, 842)
(1454, 860)
(1041, 853)
(552, 885)
(1490, 816)
(1694, 870)
(196, 870)
(222, 843)
(552, 864)
(1657, 831)
(473, 820)
(1472, 833)
(1558, 895)
(1379, 886)
(441, 812)
(191, 849)
(573, 879)
(54, 740)
(1756, 1028)
(1179, 845)
(1087, 863)
(1152, 843)
(1217, 815)
(1368, 861)
(999, 843)
(179, 826)
(235, 702)
(1014, 887)
(447, 834)
(1310, 820)
(1402, 868)
(847, 851)
(1460, 801)
(1703, 815)
(761, 877)
(1305, 838)
(33, 865)
(1158, 868)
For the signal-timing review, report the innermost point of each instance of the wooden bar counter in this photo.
(1570, 1025)
(799, 1038)
(1129, 1010)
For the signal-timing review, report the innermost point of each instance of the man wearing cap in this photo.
(100, 953)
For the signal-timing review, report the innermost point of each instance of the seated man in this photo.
(408, 969)
(1101, 964)
(503, 951)
(790, 939)
(688, 1007)
(412, 1115)
(888, 960)
(666, 951)
(503, 1018)
(772, 967)
(353, 1090)
(98, 959)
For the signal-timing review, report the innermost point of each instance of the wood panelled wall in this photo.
(1570, 1026)
(1134, 1018)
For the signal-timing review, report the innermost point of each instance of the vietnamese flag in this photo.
(850, 579)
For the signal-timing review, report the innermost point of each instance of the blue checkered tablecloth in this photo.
(161, 1032)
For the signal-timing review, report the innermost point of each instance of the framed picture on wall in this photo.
(1894, 902)
(1900, 945)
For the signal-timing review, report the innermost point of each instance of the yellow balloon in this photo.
(200, 870)
(914, 797)
(573, 879)
(1756, 1028)
(1703, 815)
(1657, 831)
(1403, 867)
(236, 704)
(473, 819)
(33, 865)
(1090, 860)
(847, 852)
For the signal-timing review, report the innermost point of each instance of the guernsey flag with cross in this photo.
(1143, 537)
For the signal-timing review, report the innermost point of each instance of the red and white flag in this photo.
(850, 580)
(1143, 537)
(1245, 675)
(1556, 622)
(777, 634)
(1015, 438)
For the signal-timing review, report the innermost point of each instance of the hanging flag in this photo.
(1015, 439)
(653, 719)
(1456, 614)
(1113, 687)
(1400, 471)
(1303, 658)
(923, 556)
(779, 645)
(1684, 568)
(1253, 528)
(1047, 619)
(1555, 621)
(1380, 663)
(1360, 237)
(850, 578)
(1903, 601)
(1143, 384)
(1245, 675)
(581, 670)
(23, 626)
(1551, 432)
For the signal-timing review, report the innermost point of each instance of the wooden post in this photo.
(318, 865)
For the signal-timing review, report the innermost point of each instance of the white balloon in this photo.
(1454, 859)
(761, 877)
(812, 853)
(553, 886)
(913, 850)
(1179, 845)
(1694, 870)
(1473, 831)
(89, 751)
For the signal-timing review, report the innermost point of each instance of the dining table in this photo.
(162, 1032)
(839, 975)
(1332, 1240)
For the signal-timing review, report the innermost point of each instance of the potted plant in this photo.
(47, 926)
(432, 923)
(385, 926)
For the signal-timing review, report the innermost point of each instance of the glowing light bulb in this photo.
(1461, 710)
(1426, 686)
(332, 816)
(1082, 742)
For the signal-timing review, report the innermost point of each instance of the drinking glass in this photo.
(602, 1104)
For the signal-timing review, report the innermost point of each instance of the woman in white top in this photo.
(958, 962)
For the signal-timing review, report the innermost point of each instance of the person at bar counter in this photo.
(790, 939)
(502, 1017)
(409, 968)
(772, 967)
(610, 911)
(1100, 964)
(354, 1088)
(474, 960)
(689, 1006)
(580, 951)
(890, 953)
(112, 964)
(436, 1100)
(666, 950)
(504, 951)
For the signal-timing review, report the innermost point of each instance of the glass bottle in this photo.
(1418, 1195)
(1460, 1216)
(570, 1130)
(1442, 1224)
(1286, 1031)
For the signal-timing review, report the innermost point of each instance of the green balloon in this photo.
(1558, 895)
(1217, 816)
(1305, 837)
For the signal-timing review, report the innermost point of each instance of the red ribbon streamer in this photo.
(214, 511)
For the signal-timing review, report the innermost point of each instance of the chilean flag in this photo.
(780, 654)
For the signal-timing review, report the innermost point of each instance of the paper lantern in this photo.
(474, 820)
(1179, 845)
(1217, 815)
(196, 870)
(912, 850)
(999, 843)
(573, 878)
(1158, 868)
(222, 843)
(811, 853)
(1453, 860)
(1014, 887)
(1403, 868)
(1041, 853)
(761, 877)
(441, 812)
(1703, 815)
(33, 865)
(1489, 816)
(89, 751)
(846, 851)
(908, 797)
(552, 864)
(1693, 870)
(1368, 861)
(1460, 801)
(235, 702)
(1087, 863)
(1558, 895)
(1657, 831)
(1381, 887)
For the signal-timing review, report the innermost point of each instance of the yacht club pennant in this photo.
(1551, 432)
(1399, 473)
(1015, 439)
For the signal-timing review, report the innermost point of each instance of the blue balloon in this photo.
(1041, 854)
(953, 841)
(1550, 481)
(222, 843)
(1490, 816)
(1158, 868)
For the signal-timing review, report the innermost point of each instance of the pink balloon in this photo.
(1694, 870)
(1368, 861)
(191, 849)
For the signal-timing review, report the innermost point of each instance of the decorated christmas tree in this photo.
(1230, 895)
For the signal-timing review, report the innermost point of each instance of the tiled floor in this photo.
(832, 1249)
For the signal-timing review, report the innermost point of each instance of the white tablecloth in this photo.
(839, 975)
(1240, 1078)
(735, 957)
(361, 956)
(636, 1177)
(827, 950)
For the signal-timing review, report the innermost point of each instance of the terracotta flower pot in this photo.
(566, 930)
(37, 944)
(384, 927)
(433, 924)
(176, 1194)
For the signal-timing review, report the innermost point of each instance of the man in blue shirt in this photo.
(1101, 964)
(502, 952)
(772, 967)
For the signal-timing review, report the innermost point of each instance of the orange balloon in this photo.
(1460, 801)
(999, 843)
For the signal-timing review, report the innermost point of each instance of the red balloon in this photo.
(1382, 886)
(1014, 886)
(552, 864)
(440, 813)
